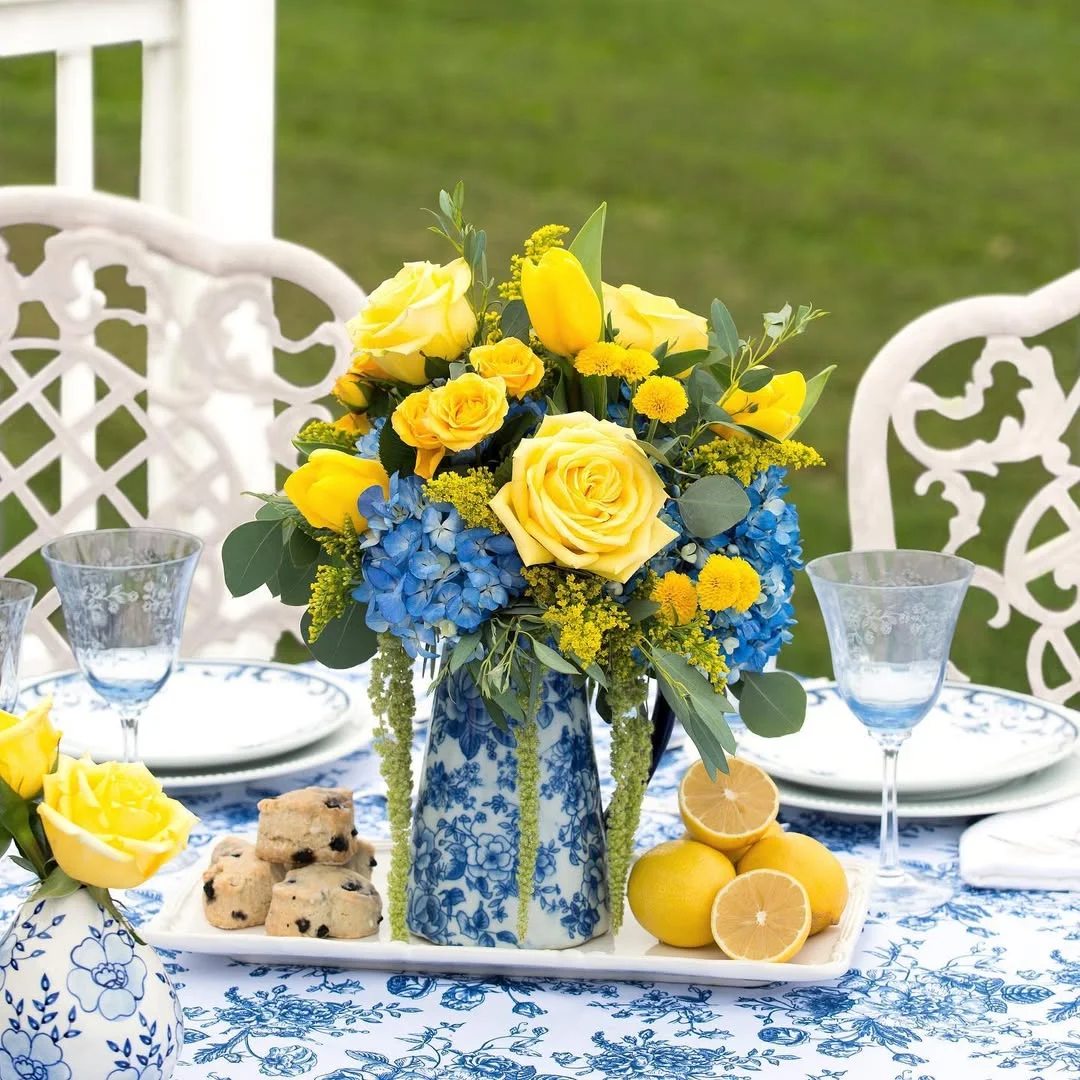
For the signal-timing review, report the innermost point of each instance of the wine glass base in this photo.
(909, 893)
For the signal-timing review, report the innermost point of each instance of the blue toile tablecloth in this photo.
(987, 986)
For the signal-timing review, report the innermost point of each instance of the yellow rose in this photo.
(520, 368)
(353, 423)
(423, 310)
(27, 749)
(582, 494)
(410, 421)
(466, 410)
(563, 306)
(773, 409)
(352, 391)
(111, 825)
(325, 488)
(644, 321)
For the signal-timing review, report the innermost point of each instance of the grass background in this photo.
(875, 159)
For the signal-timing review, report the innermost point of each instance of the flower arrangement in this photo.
(551, 473)
(78, 824)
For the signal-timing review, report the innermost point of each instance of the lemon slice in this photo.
(731, 811)
(761, 915)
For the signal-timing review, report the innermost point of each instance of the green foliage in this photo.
(771, 703)
(713, 505)
(56, 885)
(723, 337)
(344, 642)
(251, 553)
(814, 387)
(395, 455)
(514, 320)
(588, 247)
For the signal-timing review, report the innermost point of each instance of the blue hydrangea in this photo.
(367, 446)
(428, 578)
(768, 538)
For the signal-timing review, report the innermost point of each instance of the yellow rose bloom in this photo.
(662, 398)
(325, 488)
(773, 409)
(645, 321)
(352, 391)
(727, 583)
(563, 307)
(582, 494)
(466, 410)
(111, 825)
(27, 749)
(677, 597)
(518, 366)
(410, 421)
(423, 310)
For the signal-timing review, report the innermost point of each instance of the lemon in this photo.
(810, 863)
(671, 891)
(762, 915)
(731, 811)
(774, 829)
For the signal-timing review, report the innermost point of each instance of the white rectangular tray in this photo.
(633, 955)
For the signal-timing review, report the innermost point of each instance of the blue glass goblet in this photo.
(890, 616)
(124, 593)
(16, 599)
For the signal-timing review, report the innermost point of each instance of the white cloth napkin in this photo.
(1025, 849)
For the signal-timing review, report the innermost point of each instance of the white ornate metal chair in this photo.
(890, 395)
(215, 416)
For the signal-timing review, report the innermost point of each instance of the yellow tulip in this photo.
(27, 749)
(325, 488)
(111, 825)
(563, 307)
(773, 409)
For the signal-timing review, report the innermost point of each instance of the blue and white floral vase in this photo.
(463, 887)
(81, 999)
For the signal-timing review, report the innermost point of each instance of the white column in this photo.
(75, 168)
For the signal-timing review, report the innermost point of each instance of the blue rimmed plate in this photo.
(211, 713)
(975, 738)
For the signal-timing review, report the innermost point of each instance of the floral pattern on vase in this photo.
(83, 1000)
(463, 877)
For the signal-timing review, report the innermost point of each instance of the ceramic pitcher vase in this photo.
(81, 1000)
(463, 886)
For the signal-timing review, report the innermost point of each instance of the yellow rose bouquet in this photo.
(79, 824)
(551, 475)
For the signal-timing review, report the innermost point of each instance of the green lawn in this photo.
(875, 159)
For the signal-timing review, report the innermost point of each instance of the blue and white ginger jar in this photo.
(80, 999)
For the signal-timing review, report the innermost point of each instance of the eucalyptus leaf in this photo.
(24, 864)
(588, 247)
(303, 549)
(294, 582)
(395, 455)
(772, 703)
(704, 738)
(251, 554)
(345, 642)
(691, 684)
(507, 700)
(435, 367)
(755, 378)
(712, 505)
(463, 650)
(814, 388)
(596, 673)
(5, 841)
(493, 710)
(552, 659)
(677, 363)
(56, 885)
(276, 507)
(514, 321)
(723, 325)
(640, 609)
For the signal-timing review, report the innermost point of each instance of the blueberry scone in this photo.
(310, 825)
(237, 885)
(361, 857)
(324, 901)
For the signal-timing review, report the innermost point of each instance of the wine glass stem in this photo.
(129, 726)
(889, 859)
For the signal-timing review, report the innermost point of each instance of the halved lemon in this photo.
(761, 915)
(731, 811)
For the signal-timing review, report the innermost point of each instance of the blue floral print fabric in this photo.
(986, 987)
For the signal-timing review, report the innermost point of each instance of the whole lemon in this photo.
(809, 862)
(774, 829)
(672, 887)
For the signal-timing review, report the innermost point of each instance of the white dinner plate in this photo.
(211, 713)
(1059, 781)
(634, 954)
(975, 738)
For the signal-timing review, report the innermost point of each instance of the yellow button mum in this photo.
(727, 583)
(600, 358)
(677, 598)
(662, 398)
